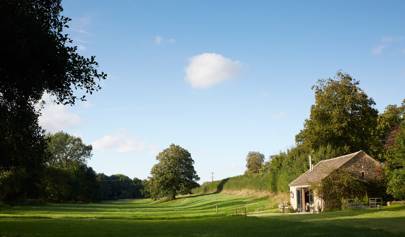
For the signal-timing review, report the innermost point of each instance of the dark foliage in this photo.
(119, 187)
(36, 56)
(22, 152)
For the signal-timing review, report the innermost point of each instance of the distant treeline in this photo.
(68, 178)
(65, 177)
(120, 186)
(82, 184)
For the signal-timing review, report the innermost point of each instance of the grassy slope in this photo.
(256, 183)
(186, 207)
(193, 216)
(261, 183)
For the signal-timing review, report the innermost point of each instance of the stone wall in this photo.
(364, 167)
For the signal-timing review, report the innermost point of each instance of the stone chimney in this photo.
(310, 163)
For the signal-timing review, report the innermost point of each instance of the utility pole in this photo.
(212, 176)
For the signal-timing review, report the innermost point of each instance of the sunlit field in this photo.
(205, 215)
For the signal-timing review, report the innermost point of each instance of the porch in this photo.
(302, 199)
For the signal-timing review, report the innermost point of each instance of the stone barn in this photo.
(360, 164)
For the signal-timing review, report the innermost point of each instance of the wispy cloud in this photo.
(159, 40)
(279, 115)
(387, 42)
(81, 24)
(122, 141)
(377, 50)
(208, 69)
(80, 31)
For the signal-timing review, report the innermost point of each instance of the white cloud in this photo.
(122, 142)
(385, 43)
(208, 69)
(159, 40)
(55, 117)
(377, 50)
(279, 115)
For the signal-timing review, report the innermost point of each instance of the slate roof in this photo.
(323, 169)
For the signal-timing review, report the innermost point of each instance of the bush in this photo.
(338, 186)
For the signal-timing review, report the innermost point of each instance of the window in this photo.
(362, 174)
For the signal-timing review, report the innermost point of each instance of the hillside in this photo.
(261, 183)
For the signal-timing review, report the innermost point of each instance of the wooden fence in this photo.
(375, 202)
(241, 211)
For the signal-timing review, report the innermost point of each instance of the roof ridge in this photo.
(342, 156)
(338, 165)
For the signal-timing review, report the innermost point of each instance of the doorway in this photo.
(304, 199)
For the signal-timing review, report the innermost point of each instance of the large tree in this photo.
(66, 149)
(342, 117)
(36, 56)
(67, 177)
(395, 165)
(389, 124)
(173, 174)
(254, 162)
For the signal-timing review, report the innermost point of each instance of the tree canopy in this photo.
(343, 117)
(173, 174)
(36, 56)
(395, 160)
(65, 149)
(254, 162)
(389, 123)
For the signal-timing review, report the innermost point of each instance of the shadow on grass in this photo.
(221, 184)
(354, 212)
(219, 227)
(192, 205)
(345, 227)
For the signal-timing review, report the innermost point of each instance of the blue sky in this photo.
(221, 78)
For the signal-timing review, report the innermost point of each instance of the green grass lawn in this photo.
(194, 216)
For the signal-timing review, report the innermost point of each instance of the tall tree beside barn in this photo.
(388, 127)
(342, 117)
(395, 165)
